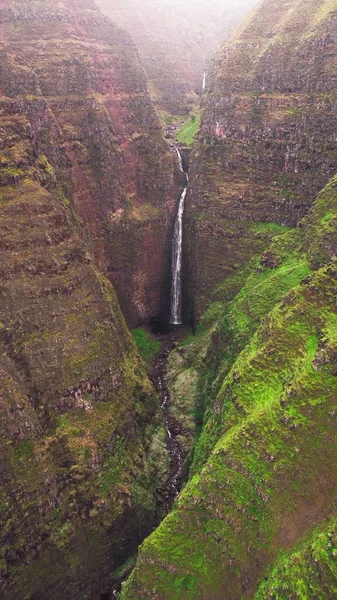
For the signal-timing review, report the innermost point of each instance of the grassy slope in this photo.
(187, 133)
(148, 347)
(264, 465)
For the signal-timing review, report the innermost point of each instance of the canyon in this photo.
(168, 317)
(88, 192)
(176, 41)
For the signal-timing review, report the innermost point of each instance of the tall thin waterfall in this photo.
(177, 252)
(203, 82)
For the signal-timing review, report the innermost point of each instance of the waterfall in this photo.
(177, 252)
(203, 82)
(180, 159)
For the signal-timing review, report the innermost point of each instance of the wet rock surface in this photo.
(173, 428)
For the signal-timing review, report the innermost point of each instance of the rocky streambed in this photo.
(173, 428)
(169, 336)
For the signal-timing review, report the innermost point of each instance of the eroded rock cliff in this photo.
(85, 193)
(105, 140)
(267, 143)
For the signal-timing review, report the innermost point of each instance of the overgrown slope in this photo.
(264, 465)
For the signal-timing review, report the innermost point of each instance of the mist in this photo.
(177, 41)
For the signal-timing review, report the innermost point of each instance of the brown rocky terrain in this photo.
(267, 142)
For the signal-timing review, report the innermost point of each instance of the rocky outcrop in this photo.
(267, 142)
(83, 171)
(106, 143)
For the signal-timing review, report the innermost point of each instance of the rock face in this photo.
(83, 172)
(75, 65)
(254, 391)
(267, 142)
(175, 41)
(257, 518)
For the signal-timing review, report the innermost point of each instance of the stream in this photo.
(158, 377)
(173, 429)
(169, 334)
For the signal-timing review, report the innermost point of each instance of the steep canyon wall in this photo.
(106, 143)
(267, 143)
(87, 195)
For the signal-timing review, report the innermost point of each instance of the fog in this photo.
(176, 41)
(208, 21)
(211, 17)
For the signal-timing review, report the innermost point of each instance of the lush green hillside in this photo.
(264, 465)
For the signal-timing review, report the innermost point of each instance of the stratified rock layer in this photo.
(105, 139)
(80, 433)
(267, 143)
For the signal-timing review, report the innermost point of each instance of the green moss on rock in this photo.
(264, 469)
(148, 346)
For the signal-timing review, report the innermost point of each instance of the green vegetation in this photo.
(265, 384)
(169, 119)
(187, 133)
(148, 346)
(308, 572)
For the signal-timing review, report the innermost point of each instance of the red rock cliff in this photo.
(106, 145)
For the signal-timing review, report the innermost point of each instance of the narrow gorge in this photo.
(168, 284)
